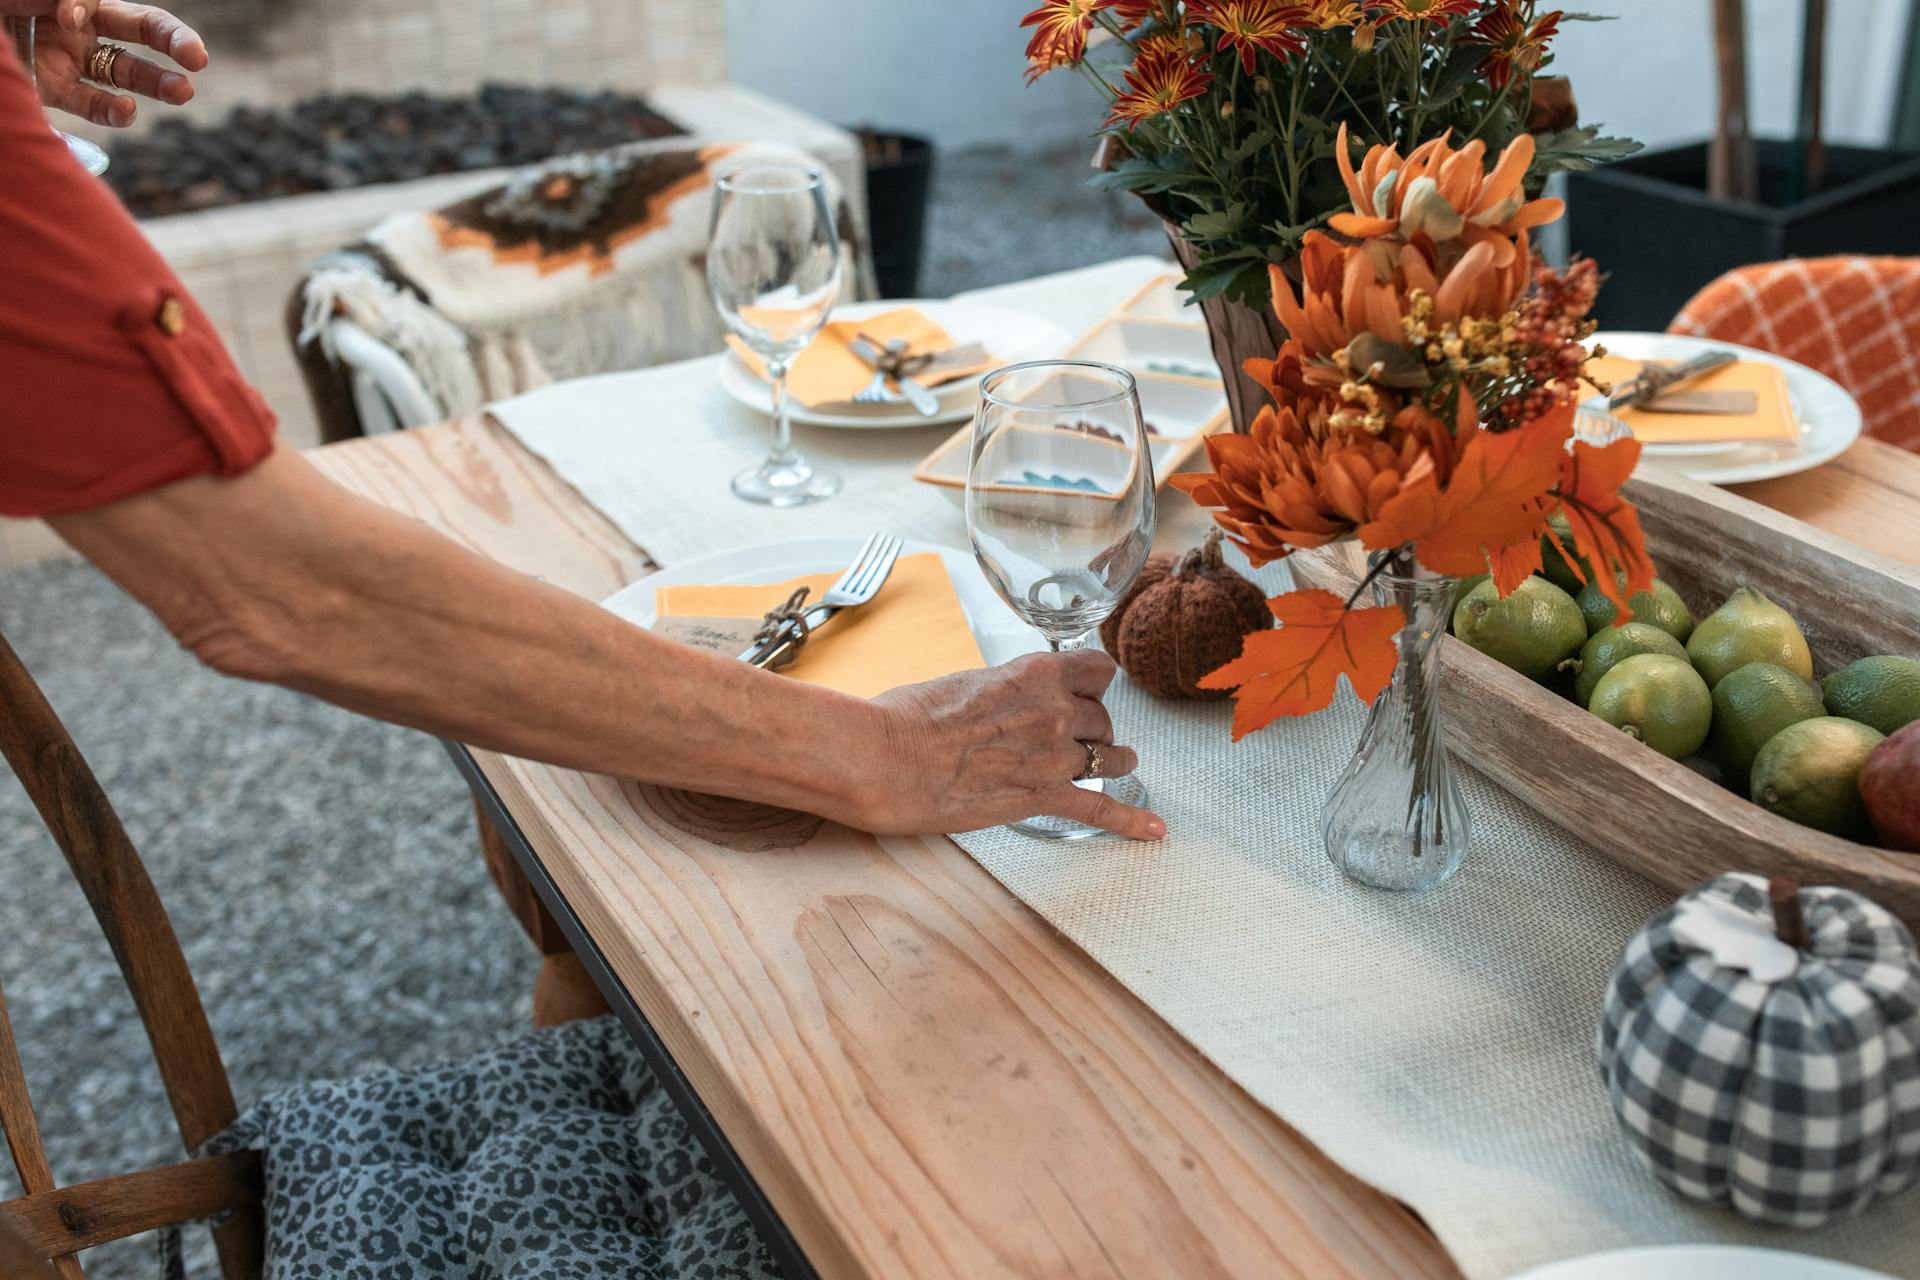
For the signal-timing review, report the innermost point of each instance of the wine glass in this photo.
(1060, 511)
(773, 267)
(91, 157)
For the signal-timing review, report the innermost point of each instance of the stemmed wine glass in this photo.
(1060, 511)
(91, 157)
(773, 267)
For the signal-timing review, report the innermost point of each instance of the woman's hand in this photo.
(70, 32)
(986, 747)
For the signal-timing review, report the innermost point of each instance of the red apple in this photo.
(1890, 785)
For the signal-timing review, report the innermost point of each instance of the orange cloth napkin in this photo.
(1771, 422)
(827, 372)
(914, 630)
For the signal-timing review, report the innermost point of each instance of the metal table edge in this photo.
(732, 1171)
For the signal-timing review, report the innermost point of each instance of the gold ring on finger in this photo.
(1095, 762)
(100, 66)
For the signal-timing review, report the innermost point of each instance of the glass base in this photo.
(787, 484)
(91, 157)
(1128, 790)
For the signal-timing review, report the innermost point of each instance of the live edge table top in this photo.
(921, 1075)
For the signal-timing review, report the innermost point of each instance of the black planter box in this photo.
(897, 194)
(1658, 236)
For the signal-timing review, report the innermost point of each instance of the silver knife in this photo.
(924, 401)
(1655, 379)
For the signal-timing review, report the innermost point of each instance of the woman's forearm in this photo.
(282, 576)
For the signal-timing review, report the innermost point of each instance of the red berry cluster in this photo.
(1549, 327)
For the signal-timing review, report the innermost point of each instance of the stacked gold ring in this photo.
(1095, 762)
(101, 63)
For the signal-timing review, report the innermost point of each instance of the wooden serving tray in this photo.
(1656, 815)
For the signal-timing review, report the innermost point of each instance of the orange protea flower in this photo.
(1513, 43)
(1060, 28)
(1161, 78)
(1422, 10)
(1253, 26)
(1439, 191)
(1341, 297)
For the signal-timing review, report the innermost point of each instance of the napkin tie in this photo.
(775, 622)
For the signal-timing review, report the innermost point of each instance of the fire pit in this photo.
(341, 141)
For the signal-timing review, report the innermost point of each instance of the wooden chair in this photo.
(59, 1222)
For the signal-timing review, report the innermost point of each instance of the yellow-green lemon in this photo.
(1882, 691)
(1810, 772)
(1461, 590)
(1748, 628)
(1612, 645)
(1556, 553)
(1657, 698)
(1751, 705)
(1532, 630)
(1658, 606)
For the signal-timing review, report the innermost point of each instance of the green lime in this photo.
(1612, 645)
(1752, 704)
(1657, 698)
(1881, 691)
(1532, 630)
(1658, 606)
(1748, 628)
(1461, 590)
(1810, 772)
(1557, 557)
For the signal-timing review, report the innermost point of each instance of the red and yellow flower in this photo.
(1161, 78)
(1253, 27)
(1422, 10)
(1060, 30)
(1513, 43)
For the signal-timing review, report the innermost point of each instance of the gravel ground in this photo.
(320, 868)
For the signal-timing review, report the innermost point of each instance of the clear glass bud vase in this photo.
(1396, 820)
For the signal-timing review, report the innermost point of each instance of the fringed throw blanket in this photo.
(590, 263)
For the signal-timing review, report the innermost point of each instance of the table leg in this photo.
(705, 1129)
(563, 992)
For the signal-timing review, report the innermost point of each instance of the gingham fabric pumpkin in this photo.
(1780, 1079)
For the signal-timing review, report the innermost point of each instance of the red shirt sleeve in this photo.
(112, 380)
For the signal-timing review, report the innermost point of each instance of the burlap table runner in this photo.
(1439, 1046)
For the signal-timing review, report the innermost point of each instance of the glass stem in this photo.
(782, 454)
(1069, 644)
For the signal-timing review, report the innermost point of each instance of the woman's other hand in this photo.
(71, 31)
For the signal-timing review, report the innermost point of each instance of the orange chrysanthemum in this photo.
(1060, 29)
(1160, 79)
(1513, 44)
(1328, 14)
(1134, 13)
(1253, 27)
(1049, 58)
(1422, 10)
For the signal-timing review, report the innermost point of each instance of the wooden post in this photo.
(1813, 43)
(1730, 159)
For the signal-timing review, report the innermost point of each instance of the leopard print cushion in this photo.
(555, 1157)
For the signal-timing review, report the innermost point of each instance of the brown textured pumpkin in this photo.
(1183, 620)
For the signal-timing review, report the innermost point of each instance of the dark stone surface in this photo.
(353, 140)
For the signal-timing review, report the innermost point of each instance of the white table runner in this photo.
(1439, 1046)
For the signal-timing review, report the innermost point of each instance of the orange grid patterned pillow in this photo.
(1855, 319)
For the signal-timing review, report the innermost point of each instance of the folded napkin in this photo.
(914, 630)
(1771, 422)
(828, 372)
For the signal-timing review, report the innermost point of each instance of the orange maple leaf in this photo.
(1606, 527)
(1514, 563)
(1496, 497)
(1293, 671)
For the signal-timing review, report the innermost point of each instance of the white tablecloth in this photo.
(1439, 1046)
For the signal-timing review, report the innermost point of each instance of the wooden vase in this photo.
(1239, 333)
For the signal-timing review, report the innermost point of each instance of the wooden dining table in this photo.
(898, 1066)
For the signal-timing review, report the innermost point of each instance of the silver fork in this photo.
(858, 585)
(876, 392)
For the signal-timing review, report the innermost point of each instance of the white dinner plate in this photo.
(1009, 336)
(999, 631)
(1828, 418)
(1699, 1262)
